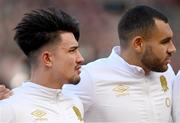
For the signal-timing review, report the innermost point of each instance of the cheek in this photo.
(66, 62)
(161, 48)
(160, 52)
(151, 54)
(69, 63)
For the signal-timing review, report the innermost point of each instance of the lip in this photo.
(168, 61)
(78, 69)
(79, 72)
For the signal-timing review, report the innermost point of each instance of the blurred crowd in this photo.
(98, 23)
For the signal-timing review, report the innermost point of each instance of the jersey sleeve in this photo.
(84, 89)
(176, 98)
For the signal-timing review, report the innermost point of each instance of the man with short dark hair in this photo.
(133, 84)
(48, 37)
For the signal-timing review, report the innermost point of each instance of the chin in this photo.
(75, 80)
(165, 68)
(161, 69)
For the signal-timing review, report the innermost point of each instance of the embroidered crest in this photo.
(78, 113)
(164, 83)
(121, 90)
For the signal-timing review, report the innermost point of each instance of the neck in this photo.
(132, 58)
(45, 78)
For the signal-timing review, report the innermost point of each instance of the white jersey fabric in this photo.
(114, 91)
(176, 98)
(32, 103)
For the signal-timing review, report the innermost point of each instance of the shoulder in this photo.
(96, 67)
(96, 64)
(6, 111)
(15, 100)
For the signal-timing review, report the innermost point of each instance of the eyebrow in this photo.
(166, 40)
(74, 47)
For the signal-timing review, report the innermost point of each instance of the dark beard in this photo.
(152, 62)
(75, 80)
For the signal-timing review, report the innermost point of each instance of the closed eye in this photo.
(73, 49)
(166, 40)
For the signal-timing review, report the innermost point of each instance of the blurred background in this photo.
(98, 23)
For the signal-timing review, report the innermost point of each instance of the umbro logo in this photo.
(39, 115)
(121, 90)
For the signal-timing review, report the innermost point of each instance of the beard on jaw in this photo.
(152, 62)
(75, 80)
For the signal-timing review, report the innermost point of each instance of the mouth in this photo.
(167, 60)
(77, 68)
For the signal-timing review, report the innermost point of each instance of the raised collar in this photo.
(119, 62)
(39, 91)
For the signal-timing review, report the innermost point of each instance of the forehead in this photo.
(67, 40)
(162, 29)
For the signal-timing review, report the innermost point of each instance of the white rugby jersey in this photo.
(32, 103)
(114, 91)
(176, 98)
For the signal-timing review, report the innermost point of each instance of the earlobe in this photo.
(138, 43)
(47, 58)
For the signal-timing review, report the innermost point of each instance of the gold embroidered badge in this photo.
(78, 113)
(121, 90)
(39, 114)
(167, 101)
(164, 83)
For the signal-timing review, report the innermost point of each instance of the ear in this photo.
(47, 58)
(138, 43)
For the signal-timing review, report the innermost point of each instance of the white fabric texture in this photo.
(176, 98)
(32, 103)
(114, 91)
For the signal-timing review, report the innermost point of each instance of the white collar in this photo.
(121, 63)
(39, 90)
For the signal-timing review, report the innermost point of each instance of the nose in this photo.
(80, 58)
(172, 48)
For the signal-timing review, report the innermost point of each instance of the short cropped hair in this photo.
(139, 20)
(41, 26)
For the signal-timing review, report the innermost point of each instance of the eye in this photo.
(72, 50)
(166, 41)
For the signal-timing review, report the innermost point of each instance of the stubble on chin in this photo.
(75, 80)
